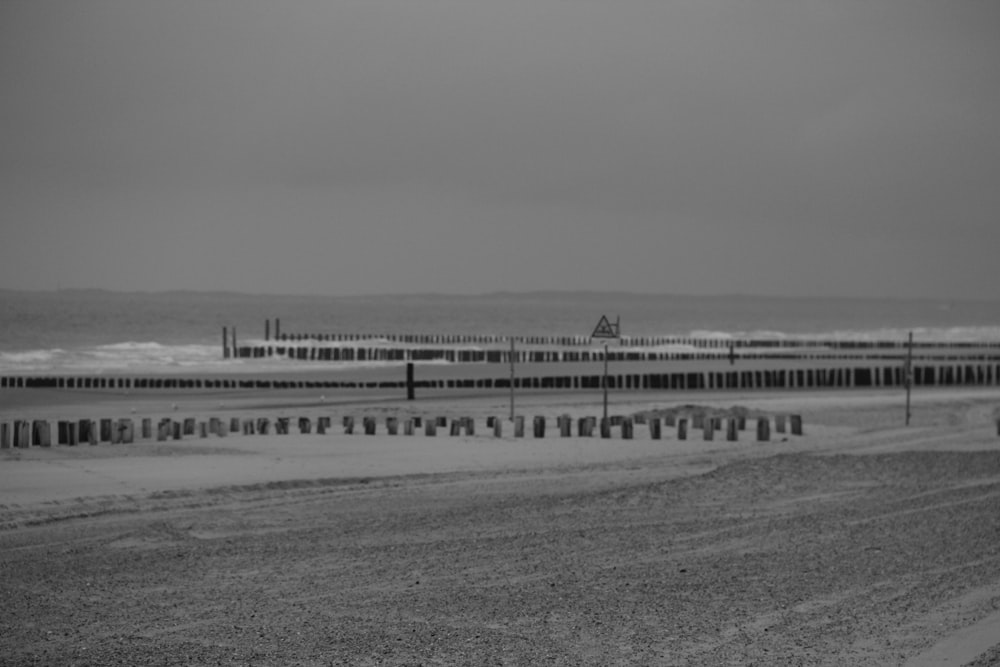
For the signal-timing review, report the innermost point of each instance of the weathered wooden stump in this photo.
(408, 427)
(370, 425)
(779, 423)
(539, 426)
(519, 426)
(105, 430)
(348, 424)
(732, 430)
(708, 429)
(305, 425)
(430, 427)
(655, 429)
(796, 424)
(627, 429)
(763, 429)
(392, 425)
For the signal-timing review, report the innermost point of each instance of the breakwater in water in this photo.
(639, 378)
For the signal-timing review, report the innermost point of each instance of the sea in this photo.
(103, 332)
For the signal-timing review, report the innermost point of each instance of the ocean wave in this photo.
(920, 334)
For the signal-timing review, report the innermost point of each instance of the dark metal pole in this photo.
(908, 372)
(512, 378)
(605, 382)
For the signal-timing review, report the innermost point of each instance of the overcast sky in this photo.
(791, 147)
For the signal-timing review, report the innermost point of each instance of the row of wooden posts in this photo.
(527, 356)
(630, 341)
(788, 378)
(24, 433)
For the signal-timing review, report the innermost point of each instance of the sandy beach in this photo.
(860, 542)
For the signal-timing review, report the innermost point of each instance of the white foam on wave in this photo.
(899, 334)
(139, 357)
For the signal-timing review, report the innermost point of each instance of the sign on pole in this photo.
(605, 329)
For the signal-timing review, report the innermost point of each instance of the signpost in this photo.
(908, 375)
(605, 329)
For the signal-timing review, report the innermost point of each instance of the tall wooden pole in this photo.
(512, 378)
(908, 375)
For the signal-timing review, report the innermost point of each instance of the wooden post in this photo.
(305, 425)
(409, 382)
(234, 425)
(370, 425)
(392, 425)
(5, 435)
(497, 428)
(605, 428)
(655, 427)
(277, 329)
(41, 433)
(731, 430)
(565, 426)
(147, 428)
(763, 429)
(127, 427)
(236, 349)
(796, 421)
(189, 425)
(430, 427)
(203, 429)
(709, 428)
(408, 427)
(779, 423)
(627, 429)
(682, 429)
(539, 426)
(105, 430)
(267, 330)
(348, 424)
(72, 434)
(225, 343)
(519, 426)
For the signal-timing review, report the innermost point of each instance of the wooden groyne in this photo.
(361, 353)
(24, 434)
(703, 342)
(832, 377)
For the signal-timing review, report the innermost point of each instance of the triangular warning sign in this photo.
(605, 329)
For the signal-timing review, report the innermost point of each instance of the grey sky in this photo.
(793, 147)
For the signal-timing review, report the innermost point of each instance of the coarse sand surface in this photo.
(861, 542)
